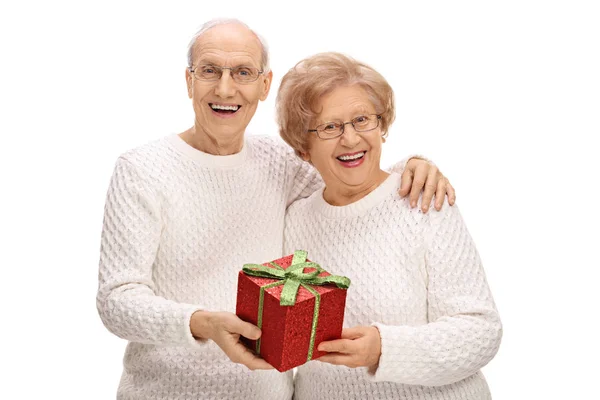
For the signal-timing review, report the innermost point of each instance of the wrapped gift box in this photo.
(295, 303)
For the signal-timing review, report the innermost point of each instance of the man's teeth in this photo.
(352, 157)
(227, 108)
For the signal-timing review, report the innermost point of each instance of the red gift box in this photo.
(302, 306)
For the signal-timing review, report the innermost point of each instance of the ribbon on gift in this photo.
(292, 278)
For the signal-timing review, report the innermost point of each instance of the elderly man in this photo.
(184, 213)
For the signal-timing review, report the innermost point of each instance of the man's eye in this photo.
(243, 72)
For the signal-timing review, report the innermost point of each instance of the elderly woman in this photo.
(420, 319)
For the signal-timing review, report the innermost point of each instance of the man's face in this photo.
(224, 107)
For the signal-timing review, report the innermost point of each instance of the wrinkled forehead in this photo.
(228, 45)
(344, 103)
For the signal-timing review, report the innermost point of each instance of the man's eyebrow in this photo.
(235, 65)
(206, 62)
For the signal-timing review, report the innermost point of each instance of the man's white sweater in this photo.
(418, 278)
(179, 225)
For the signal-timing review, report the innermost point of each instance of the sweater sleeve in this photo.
(301, 177)
(464, 329)
(131, 231)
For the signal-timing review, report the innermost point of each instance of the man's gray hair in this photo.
(224, 21)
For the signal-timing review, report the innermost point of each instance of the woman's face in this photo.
(350, 162)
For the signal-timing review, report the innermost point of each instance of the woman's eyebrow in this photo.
(321, 121)
(357, 113)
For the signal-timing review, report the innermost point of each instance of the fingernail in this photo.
(413, 204)
(425, 209)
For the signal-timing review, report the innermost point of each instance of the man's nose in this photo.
(225, 85)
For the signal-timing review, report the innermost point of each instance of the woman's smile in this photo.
(351, 160)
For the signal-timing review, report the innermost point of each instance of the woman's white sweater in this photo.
(418, 278)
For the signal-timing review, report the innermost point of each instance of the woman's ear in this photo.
(305, 156)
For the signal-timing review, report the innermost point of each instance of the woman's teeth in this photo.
(352, 157)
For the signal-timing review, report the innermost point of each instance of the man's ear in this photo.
(188, 81)
(268, 78)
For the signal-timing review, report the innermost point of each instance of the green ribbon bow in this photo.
(292, 278)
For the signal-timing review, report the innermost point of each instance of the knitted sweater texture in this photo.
(179, 224)
(418, 278)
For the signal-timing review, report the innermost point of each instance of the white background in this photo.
(503, 96)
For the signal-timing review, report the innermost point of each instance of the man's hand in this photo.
(225, 329)
(421, 175)
(359, 347)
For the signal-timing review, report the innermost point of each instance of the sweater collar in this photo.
(208, 160)
(390, 186)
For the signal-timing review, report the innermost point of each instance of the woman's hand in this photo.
(359, 347)
(422, 175)
(225, 329)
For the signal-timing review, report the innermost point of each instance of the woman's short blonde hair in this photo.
(304, 85)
